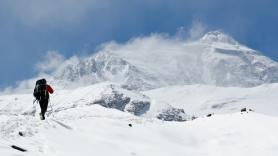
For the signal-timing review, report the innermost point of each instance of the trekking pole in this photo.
(34, 101)
(34, 107)
(51, 107)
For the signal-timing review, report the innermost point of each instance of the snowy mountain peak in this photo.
(155, 61)
(218, 37)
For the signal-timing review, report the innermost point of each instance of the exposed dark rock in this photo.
(20, 133)
(114, 100)
(243, 110)
(138, 107)
(130, 125)
(172, 114)
(209, 115)
(124, 100)
(194, 117)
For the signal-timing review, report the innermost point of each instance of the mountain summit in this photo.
(155, 61)
(218, 37)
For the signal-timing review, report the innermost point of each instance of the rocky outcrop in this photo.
(124, 100)
(172, 114)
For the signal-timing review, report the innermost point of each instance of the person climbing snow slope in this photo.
(41, 93)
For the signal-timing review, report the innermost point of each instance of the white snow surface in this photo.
(77, 126)
(203, 99)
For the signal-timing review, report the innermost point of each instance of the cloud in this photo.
(52, 60)
(197, 30)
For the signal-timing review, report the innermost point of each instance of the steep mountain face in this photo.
(147, 63)
(104, 66)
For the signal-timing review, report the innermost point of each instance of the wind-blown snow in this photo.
(157, 61)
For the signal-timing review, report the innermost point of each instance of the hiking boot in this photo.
(42, 116)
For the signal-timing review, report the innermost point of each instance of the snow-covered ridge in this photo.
(218, 36)
(153, 62)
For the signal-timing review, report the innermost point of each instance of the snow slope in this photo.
(76, 125)
(234, 134)
(203, 99)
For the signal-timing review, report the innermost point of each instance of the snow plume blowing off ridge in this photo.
(52, 60)
(160, 60)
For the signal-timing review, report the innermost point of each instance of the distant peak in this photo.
(218, 36)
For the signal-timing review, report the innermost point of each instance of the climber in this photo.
(41, 93)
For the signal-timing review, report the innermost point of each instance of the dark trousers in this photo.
(43, 105)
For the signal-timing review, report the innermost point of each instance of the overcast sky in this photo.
(31, 28)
